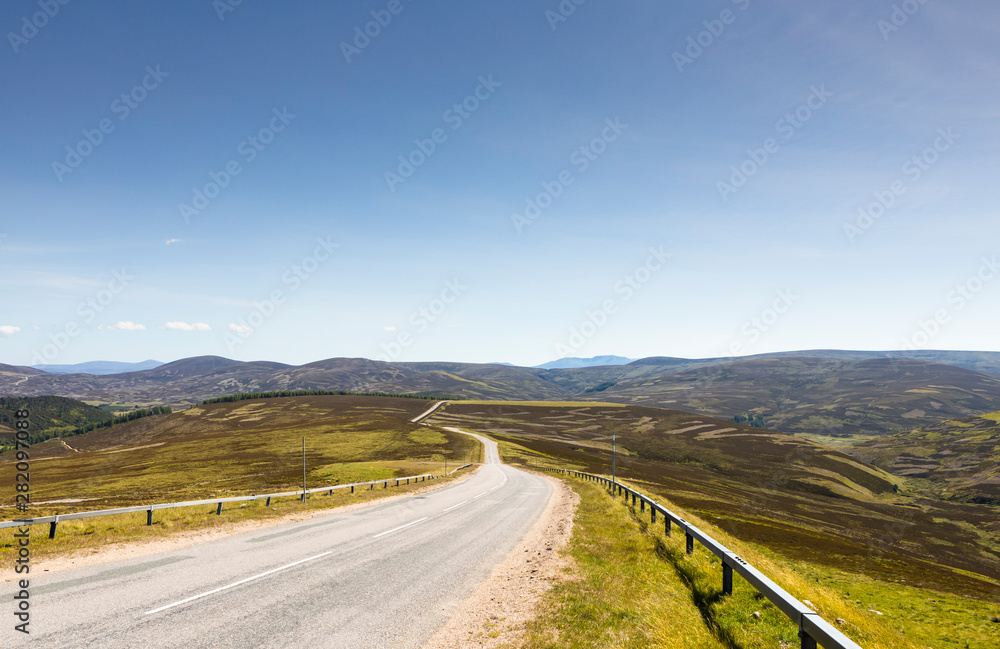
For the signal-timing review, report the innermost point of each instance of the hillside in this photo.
(812, 395)
(236, 448)
(47, 415)
(807, 501)
(960, 457)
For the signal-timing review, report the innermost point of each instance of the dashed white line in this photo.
(464, 502)
(233, 585)
(396, 529)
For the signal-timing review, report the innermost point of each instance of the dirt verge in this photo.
(496, 613)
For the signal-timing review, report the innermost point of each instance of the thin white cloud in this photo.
(8, 330)
(184, 326)
(170, 241)
(389, 328)
(243, 330)
(124, 325)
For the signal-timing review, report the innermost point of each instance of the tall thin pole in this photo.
(614, 459)
(303, 469)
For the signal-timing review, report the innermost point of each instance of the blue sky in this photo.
(498, 182)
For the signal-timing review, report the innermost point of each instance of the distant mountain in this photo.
(98, 368)
(573, 363)
(864, 394)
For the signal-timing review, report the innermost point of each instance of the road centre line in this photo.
(242, 581)
(396, 529)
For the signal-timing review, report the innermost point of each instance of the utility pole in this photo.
(303, 469)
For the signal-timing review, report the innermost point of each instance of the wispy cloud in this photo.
(8, 330)
(172, 241)
(240, 329)
(184, 326)
(124, 325)
(389, 328)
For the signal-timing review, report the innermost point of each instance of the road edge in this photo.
(498, 610)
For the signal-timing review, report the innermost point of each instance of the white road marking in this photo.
(396, 529)
(464, 502)
(233, 585)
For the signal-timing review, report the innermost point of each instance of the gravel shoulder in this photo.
(496, 613)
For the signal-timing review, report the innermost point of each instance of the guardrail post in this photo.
(268, 503)
(52, 530)
(218, 510)
(397, 482)
(666, 525)
(149, 516)
(371, 487)
(385, 485)
(642, 505)
(331, 493)
(690, 543)
(727, 578)
(652, 515)
(633, 500)
(352, 488)
(807, 642)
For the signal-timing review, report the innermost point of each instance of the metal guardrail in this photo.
(53, 521)
(812, 628)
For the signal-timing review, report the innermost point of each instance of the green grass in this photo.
(616, 595)
(928, 617)
(632, 586)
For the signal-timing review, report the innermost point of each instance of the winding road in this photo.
(388, 575)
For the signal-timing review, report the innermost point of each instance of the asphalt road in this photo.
(386, 576)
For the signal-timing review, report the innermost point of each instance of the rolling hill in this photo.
(825, 396)
(960, 457)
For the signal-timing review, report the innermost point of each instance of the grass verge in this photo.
(617, 596)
